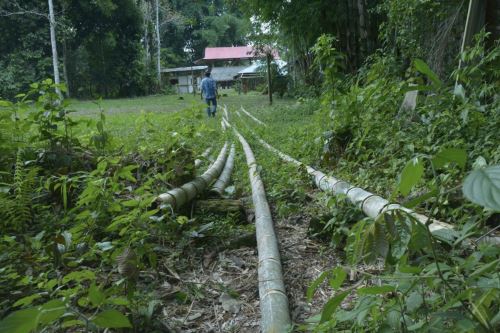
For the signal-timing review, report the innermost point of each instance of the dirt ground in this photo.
(227, 284)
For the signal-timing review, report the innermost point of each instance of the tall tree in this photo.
(53, 43)
(158, 43)
(25, 51)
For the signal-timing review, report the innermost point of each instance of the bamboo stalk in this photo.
(187, 192)
(226, 114)
(225, 175)
(253, 117)
(273, 300)
(371, 204)
(205, 154)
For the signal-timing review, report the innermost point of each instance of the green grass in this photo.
(167, 103)
(127, 118)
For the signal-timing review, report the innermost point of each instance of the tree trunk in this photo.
(269, 83)
(473, 24)
(158, 43)
(363, 34)
(492, 21)
(65, 67)
(55, 61)
(146, 9)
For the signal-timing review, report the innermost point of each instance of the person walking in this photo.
(209, 92)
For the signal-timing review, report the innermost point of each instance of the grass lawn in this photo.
(125, 117)
(127, 120)
(168, 103)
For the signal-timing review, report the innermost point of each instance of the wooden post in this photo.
(269, 82)
(193, 81)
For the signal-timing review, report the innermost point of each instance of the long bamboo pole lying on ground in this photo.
(187, 192)
(198, 161)
(226, 114)
(275, 317)
(225, 175)
(253, 117)
(371, 204)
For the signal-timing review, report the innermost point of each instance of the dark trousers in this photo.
(214, 104)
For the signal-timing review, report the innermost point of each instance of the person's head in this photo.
(207, 73)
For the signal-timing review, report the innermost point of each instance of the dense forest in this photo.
(364, 197)
(109, 48)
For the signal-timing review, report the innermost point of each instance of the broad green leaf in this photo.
(332, 305)
(131, 203)
(376, 290)
(51, 311)
(96, 296)
(5, 104)
(421, 198)
(448, 236)
(399, 227)
(482, 187)
(409, 269)
(339, 276)
(118, 301)
(126, 173)
(450, 155)
(22, 321)
(111, 319)
(414, 301)
(72, 323)
(27, 300)
(410, 176)
(312, 288)
(423, 68)
(417, 326)
(393, 319)
(465, 325)
(79, 276)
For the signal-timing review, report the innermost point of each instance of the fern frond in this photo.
(16, 209)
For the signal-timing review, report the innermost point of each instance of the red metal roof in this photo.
(235, 52)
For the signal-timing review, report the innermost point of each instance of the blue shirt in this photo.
(208, 87)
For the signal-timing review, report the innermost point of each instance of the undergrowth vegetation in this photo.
(440, 158)
(83, 237)
(86, 246)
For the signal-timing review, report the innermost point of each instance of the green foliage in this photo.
(406, 277)
(427, 30)
(111, 319)
(410, 176)
(482, 187)
(78, 228)
(16, 203)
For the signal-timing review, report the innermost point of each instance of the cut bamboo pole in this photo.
(198, 161)
(371, 204)
(226, 123)
(273, 300)
(252, 117)
(225, 175)
(187, 192)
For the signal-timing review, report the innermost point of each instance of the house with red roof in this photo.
(224, 63)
